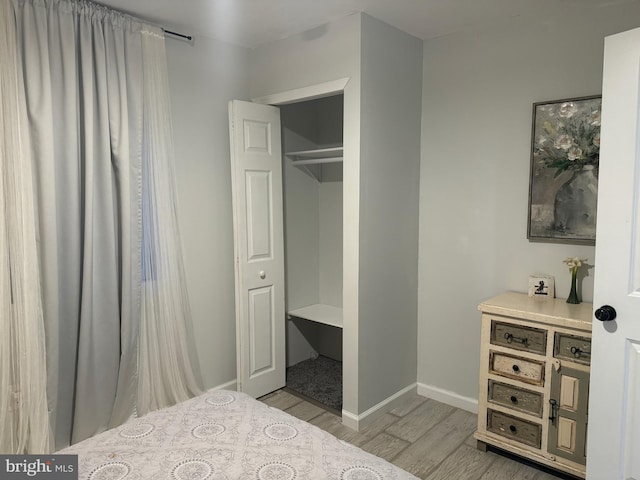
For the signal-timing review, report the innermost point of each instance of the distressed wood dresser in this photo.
(534, 379)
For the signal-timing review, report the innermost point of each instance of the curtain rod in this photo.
(179, 35)
(188, 38)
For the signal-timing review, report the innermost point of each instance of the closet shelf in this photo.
(316, 156)
(320, 313)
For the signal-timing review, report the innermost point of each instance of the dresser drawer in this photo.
(515, 398)
(525, 370)
(521, 338)
(573, 348)
(514, 428)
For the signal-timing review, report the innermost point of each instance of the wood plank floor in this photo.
(429, 439)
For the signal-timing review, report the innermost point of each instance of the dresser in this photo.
(534, 379)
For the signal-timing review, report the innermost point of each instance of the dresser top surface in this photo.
(553, 311)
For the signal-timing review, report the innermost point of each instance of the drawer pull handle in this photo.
(509, 337)
(578, 352)
(553, 409)
(515, 368)
(513, 428)
(514, 399)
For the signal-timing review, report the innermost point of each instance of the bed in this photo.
(224, 435)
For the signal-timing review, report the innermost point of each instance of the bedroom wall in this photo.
(391, 79)
(479, 88)
(203, 77)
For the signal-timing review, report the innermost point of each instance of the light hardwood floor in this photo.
(429, 439)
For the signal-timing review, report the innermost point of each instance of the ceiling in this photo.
(251, 23)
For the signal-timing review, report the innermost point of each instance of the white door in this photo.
(613, 450)
(256, 171)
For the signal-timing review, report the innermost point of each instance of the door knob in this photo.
(262, 274)
(606, 313)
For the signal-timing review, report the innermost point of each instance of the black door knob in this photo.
(606, 313)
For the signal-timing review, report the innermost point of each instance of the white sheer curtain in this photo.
(166, 367)
(87, 97)
(23, 401)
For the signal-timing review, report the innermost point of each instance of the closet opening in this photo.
(312, 139)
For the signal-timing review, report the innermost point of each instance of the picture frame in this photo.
(563, 182)
(542, 286)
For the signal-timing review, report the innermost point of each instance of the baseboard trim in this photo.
(232, 385)
(450, 398)
(357, 422)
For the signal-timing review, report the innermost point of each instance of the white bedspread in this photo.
(224, 435)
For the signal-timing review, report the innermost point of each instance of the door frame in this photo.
(351, 225)
(320, 90)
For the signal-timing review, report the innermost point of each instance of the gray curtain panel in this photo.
(83, 76)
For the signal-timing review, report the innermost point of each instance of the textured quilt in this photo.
(224, 435)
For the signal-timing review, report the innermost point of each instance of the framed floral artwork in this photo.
(563, 185)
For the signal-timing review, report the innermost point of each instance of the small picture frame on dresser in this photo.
(541, 286)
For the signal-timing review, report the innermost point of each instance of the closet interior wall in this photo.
(313, 224)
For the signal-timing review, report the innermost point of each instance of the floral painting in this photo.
(563, 189)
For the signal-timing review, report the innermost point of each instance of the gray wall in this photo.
(202, 79)
(389, 189)
(479, 88)
(325, 53)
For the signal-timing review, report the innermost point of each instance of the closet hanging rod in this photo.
(175, 34)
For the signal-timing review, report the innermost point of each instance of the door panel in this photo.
(614, 401)
(257, 136)
(259, 215)
(632, 414)
(568, 422)
(256, 174)
(261, 332)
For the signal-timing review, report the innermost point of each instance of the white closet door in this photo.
(256, 171)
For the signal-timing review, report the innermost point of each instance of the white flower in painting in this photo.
(567, 109)
(574, 154)
(567, 136)
(563, 142)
